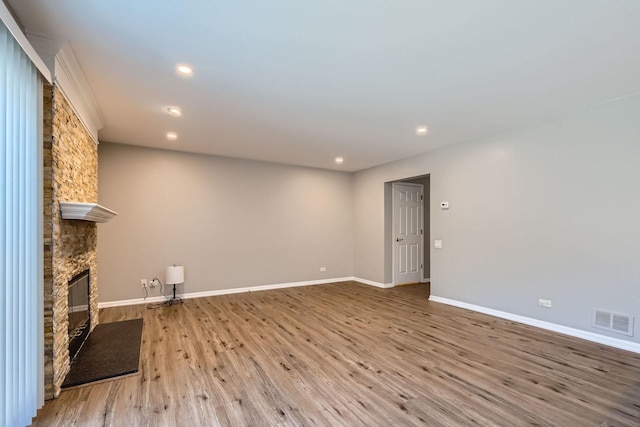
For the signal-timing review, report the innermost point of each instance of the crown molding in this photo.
(70, 79)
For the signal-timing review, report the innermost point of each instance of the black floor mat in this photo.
(112, 350)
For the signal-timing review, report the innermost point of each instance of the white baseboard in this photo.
(190, 295)
(264, 287)
(577, 333)
(372, 283)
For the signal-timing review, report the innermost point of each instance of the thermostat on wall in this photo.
(444, 205)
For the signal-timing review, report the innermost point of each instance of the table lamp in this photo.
(173, 275)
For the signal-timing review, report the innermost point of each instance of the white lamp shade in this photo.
(174, 274)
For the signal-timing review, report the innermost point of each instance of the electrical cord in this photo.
(161, 289)
(158, 304)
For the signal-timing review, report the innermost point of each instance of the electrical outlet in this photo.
(143, 283)
(544, 303)
(323, 268)
(152, 283)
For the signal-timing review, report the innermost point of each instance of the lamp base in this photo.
(174, 298)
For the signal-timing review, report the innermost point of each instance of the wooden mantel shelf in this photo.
(86, 211)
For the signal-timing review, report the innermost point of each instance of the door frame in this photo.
(394, 249)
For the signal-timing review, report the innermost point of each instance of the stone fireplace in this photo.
(70, 159)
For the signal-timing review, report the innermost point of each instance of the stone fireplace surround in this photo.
(70, 161)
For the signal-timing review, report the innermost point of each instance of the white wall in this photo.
(232, 223)
(550, 211)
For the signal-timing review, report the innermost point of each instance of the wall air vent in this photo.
(614, 322)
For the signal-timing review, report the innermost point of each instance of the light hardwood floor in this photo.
(348, 354)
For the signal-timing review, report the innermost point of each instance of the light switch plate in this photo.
(437, 244)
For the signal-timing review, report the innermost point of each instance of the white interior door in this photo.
(407, 233)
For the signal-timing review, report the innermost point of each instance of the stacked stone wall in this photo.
(70, 246)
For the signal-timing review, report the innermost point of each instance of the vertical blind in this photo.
(20, 235)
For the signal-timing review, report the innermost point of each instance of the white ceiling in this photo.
(302, 82)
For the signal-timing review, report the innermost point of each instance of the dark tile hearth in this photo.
(112, 350)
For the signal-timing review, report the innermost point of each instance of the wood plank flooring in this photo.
(347, 354)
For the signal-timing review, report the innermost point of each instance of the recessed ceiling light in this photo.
(172, 135)
(174, 111)
(422, 130)
(185, 69)
(339, 160)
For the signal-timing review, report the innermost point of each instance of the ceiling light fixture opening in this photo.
(339, 160)
(422, 130)
(172, 136)
(174, 111)
(185, 69)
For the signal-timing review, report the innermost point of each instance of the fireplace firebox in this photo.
(79, 312)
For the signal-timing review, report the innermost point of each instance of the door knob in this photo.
(399, 239)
